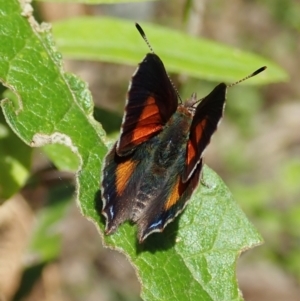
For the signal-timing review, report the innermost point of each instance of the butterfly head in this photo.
(191, 103)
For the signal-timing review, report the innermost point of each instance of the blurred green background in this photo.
(256, 151)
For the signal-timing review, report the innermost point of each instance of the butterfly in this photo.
(152, 170)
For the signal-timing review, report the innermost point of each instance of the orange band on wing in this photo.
(123, 173)
(150, 108)
(149, 121)
(175, 194)
(191, 150)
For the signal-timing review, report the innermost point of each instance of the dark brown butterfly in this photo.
(152, 170)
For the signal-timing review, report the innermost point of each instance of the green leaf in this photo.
(118, 41)
(53, 107)
(15, 161)
(195, 257)
(62, 157)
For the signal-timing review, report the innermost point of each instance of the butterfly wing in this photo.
(152, 100)
(120, 184)
(205, 122)
(168, 204)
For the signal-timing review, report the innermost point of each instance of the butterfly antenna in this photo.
(142, 33)
(261, 69)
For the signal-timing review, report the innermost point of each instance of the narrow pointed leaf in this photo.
(117, 41)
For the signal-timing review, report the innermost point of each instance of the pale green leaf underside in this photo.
(115, 40)
(195, 257)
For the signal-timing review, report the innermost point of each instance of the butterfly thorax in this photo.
(173, 139)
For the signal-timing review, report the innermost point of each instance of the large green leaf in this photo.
(195, 257)
(115, 40)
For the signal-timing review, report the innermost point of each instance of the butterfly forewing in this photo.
(205, 122)
(151, 102)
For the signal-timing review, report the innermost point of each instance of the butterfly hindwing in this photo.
(151, 102)
(168, 204)
(116, 173)
(205, 122)
(120, 185)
